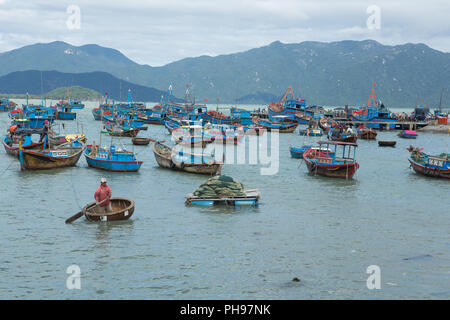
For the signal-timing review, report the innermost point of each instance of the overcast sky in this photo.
(157, 32)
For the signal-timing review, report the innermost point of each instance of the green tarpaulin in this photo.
(220, 186)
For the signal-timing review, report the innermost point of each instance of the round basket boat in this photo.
(122, 209)
(141, 141)
(387, 143)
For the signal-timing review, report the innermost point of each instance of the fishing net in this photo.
(220, 186)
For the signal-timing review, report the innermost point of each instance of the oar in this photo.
(80, 214)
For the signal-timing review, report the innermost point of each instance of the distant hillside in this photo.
(75, 92)
(335, 73)
(30, 81)
(258, 97)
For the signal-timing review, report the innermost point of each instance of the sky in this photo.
(157, 32)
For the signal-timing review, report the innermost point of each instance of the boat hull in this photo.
(33, 160)
(429, 171)
(370, 134)
(14, 151)
(332, 171)
(141, 141)
(386, 143)
(114, 166)
(163, 156)
(122, 209)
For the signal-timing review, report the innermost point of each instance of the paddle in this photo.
(80, 214)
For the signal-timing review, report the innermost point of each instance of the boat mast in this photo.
(372, 93)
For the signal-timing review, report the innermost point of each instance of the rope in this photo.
(9, 165)
(77, 200)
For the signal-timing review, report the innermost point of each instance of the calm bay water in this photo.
(324, 231)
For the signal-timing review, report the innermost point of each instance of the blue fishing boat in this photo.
(283, 124)
(64, 111)
(216, 117)
(7, 105)
(374, 112)
(151, 116)
(76, 104)
(111, 159)
(408, 134)
(288, 106)
(173, 123)
(297, 152)
(244, 117)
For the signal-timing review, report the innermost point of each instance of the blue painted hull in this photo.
(103, 163)
(297, 152)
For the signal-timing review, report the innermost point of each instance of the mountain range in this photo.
(335, 73)
(40, 82)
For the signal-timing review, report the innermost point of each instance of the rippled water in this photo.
(324, 231)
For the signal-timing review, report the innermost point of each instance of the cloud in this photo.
(157, 32)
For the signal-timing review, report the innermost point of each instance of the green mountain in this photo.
(39, 82)
(335, 73)
(76, 93)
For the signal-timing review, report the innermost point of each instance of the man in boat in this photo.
(44, 130)
(102, 196)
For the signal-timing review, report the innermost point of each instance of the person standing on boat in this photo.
(44, 130)
(102, 196)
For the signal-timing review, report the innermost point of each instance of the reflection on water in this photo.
(324, 231)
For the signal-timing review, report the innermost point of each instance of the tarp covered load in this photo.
(220, 186)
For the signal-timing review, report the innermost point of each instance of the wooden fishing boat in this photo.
(122, 209)
(152, 119)
(141, 141)
(123, 132)
(251, 199)
(366, 133)
(282, 124)
(12, 146)
(428, 165)
(111, 159)
(387, 143)
(50, 158)
(346, 138)
(330, 165)
(167, 158)
(408, 134)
